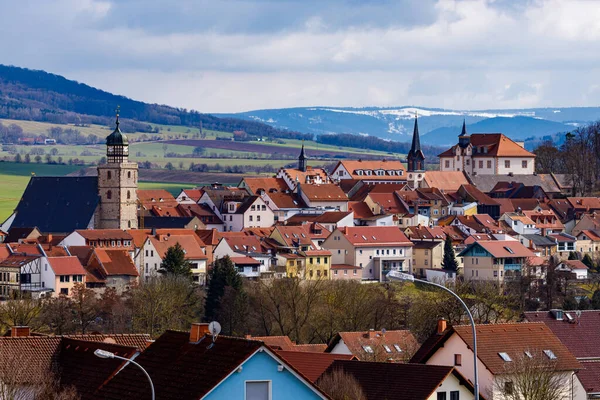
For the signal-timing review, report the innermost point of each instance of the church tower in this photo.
(117, 185)
(416, 158)
(302, 160)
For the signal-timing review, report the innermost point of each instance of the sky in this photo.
(239, 55)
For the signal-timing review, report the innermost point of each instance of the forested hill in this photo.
(41, 96)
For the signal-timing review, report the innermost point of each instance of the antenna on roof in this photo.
(214, 328)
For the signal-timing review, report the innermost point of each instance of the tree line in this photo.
(578, 157)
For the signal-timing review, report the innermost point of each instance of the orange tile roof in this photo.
(593, 236)
(286, 200)
(66, 265)
(160, 197)
(191, 244)
(116, 262)
(310, 348)
(587, 203)
(324, 192)
(251, 244)
(375, 236)
(311, 365)
(245, 260)
(255, 185)
(193, 194)
(445, 180)
(293, 174)
(276, 342)
(497, 144)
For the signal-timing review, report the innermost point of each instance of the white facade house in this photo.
(375, 250)
(520, 223)
(487, 154)
(252, 212)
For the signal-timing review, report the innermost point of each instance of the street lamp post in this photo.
(107, 354)
(397, 275)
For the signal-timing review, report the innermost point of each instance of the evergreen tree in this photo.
(221, 276)
(596, 300)
(573, 256)
(175, 263)
(449, 262)
(569, 303)
(587, 260)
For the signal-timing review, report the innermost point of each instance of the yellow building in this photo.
(317, 264)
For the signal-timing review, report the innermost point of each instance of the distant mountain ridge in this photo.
(437, 126)
(41, 96)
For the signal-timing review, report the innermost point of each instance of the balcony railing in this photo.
(512, 267)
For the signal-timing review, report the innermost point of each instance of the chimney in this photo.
(18, 331)
(198, 331)
(372, 334)
(442, 325)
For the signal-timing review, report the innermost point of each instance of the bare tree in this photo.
(21, 310)
(341, 386)
(533, 376)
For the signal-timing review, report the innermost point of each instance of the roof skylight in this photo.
(505, 356)
(550, 354)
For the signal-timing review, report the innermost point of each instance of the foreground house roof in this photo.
(511, 338)
(391, 345)
(182, 370)
(388, 381)
(375, 236)
(312, 365)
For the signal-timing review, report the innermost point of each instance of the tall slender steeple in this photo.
(302, 160)
(463, 138)
(416, 158)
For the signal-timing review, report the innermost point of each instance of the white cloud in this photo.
(238, 55)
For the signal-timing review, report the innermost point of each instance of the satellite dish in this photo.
(383, 331)
(214, 328)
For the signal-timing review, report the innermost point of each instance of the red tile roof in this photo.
(360, 209)
(104, 234)
(581, 335)
(245, 261)
(311, 365)
(390, 203)
(66, 265)
(276, 342)
(284, 200)
(375, 236)
(500, 248)
(591, 235)
(512, 338)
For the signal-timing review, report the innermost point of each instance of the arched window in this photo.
(128, 174)
(109, 194)
(129, 224)
(128, 195)
(108, 174)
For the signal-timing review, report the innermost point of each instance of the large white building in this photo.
(487, 154)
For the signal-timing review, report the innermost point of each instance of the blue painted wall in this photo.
(262, 367)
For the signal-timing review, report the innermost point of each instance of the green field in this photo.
(15, 177)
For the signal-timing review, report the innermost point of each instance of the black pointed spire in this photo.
(416, 158)
(416, 140)
(464, 129)
(302, 159)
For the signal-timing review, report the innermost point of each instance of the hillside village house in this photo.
(250, 256)
(520, 223)
(370, 171)
(21, 272)
(499, 344)
(155, 248)
(375, 250)
(284, 205)
(251, 212)
(494, 260)
(323, 196)
(588, 242)
(60, 274)
(107, 268)
(487, 154)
